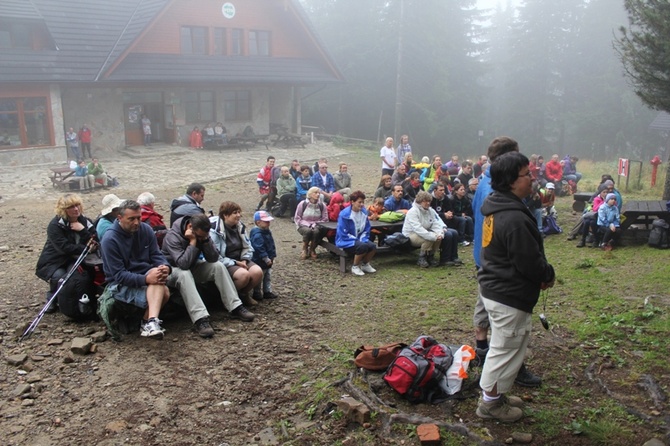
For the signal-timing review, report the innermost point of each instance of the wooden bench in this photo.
(61, 177)
(239, 142)
(644, 212)
(384, 228)
(244, 142)
(581, 198)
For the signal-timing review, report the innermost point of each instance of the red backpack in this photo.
(419, 371)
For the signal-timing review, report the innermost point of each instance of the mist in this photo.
(452, 77)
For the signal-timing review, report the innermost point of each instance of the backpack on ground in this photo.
(659, 237)
(377, 358)
(550, 226)
(79, 284)
(419, 372)
(396, 240)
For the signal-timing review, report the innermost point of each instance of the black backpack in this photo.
(659, 237)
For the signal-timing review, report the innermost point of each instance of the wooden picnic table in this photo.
(288, 139)
(239, 142)
(383, 227)
(61, 177)
(644, 212)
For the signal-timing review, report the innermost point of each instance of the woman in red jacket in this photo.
(553, 171)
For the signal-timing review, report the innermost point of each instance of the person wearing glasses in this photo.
(514, 269)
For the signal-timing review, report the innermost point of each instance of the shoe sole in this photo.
(525, 384)
(243, 319)
(491, 417)
(158, 335)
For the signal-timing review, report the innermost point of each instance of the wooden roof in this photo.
(93, 42)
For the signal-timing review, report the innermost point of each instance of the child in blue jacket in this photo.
(609, 222)
(265, 253)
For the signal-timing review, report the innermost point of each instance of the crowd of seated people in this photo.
(561, 172)
(435, 197)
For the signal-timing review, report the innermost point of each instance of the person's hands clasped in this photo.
(76, 226)
(242, 264)
(157, 276)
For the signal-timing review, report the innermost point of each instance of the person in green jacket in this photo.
(96, 169)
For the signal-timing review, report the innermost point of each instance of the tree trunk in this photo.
(666, 187)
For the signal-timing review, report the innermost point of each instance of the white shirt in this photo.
(388, 153)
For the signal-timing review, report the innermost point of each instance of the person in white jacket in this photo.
(426, 230)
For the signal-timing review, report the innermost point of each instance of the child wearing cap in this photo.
(265, 253)
(608, 222)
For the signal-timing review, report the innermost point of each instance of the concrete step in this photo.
(153, 151)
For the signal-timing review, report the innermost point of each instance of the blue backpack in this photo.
(550, 226)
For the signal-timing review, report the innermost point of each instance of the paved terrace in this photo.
(160, 167)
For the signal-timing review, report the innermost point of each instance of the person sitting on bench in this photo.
(353, 235)
(220, 133)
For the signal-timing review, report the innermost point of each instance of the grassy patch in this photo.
(607, 308)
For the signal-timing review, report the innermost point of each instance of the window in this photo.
(199, 106)
(220, 42)
(237, 44)
(193, 40)
(259, 43)
(237, 105)
(15, 35)
(24, 122)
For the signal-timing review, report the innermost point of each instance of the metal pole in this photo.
(398, 83)
(33, 325)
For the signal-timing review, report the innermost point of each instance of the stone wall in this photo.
(102, 110)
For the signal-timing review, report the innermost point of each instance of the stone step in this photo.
(154, 151)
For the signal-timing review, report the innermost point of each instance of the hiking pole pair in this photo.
(61, 283)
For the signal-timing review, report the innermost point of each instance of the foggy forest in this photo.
(452, 77)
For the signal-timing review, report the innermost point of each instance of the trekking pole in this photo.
(61, 283)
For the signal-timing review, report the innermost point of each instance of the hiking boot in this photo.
(203, 327)
(356, 270)
(248, 300)
(367, 268)
(457, 262)
(581, 244)
(422, 262)
(258, 296)
(152, 329)
(513, 401)
(270, 295)
(447, 263)
(526, 378)
(242, 314)
(499, 409)
(430, 258)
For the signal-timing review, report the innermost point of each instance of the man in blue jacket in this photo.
(135, 269)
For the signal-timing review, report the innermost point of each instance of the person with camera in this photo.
(513, 271)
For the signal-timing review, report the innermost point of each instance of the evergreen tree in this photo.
(644, 48)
